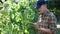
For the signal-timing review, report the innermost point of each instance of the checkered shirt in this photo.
(48, 21)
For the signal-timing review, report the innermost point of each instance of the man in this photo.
(46, 23)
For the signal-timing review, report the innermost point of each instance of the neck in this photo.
(43, 12)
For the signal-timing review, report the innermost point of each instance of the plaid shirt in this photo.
(48, 21)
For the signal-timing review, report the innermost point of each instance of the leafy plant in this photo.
(16, 16)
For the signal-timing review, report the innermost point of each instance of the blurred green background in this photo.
(16, 15)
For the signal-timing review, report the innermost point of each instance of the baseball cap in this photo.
(39, 3)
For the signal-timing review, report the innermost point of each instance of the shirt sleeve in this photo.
(52, 24)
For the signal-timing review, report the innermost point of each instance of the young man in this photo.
(46, 23)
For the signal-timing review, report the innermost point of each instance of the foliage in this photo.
(16, 16)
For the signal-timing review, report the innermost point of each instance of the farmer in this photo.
(46, 23)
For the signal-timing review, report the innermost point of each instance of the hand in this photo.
(35, 25)
(42, 28)
(45, 30)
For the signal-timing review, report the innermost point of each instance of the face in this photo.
(43, 8)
